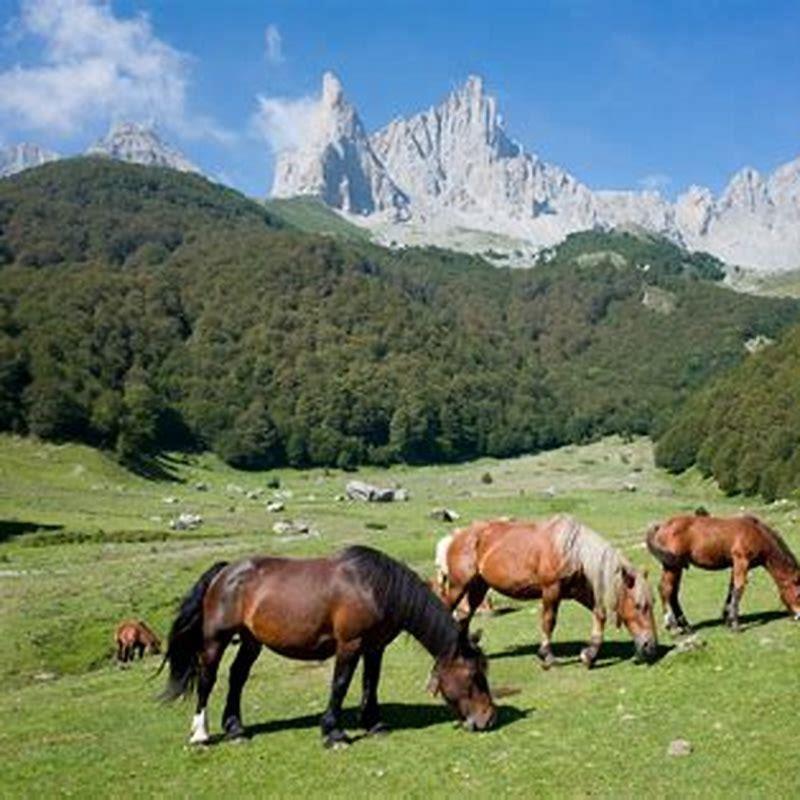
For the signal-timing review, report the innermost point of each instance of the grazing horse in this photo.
(718, 543)
(350, 605)
(553, 559)
(135, 636)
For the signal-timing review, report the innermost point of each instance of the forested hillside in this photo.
(744, 429)
(142, 309)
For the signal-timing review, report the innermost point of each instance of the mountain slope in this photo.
(455, 168)
(142, 307)
(744, 429)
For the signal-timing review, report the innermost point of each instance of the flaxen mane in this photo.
(588, 552)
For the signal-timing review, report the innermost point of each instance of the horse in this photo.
(350, 605)
(552, 559)
(716, 543)
(135, 636)
(439, 582)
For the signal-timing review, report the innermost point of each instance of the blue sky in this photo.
(622, 94)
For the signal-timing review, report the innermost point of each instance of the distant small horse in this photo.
(350, 605)
(135, 636)
(718, 543)
(553, 559)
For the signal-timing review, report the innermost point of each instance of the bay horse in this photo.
(716, 543)
(135, 636)
(553, 559)
(350, 605)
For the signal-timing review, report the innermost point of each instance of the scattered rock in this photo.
(275, 506)
(679, 747)
(233, 488)
(186, 522)
(170, 501)
(201, 486)
(629, 487)
(688, 645)
(340, 498)
(288, 527)
(550, 491)
(274, 483)
(444, 514)
(365, 492)
(45, 676)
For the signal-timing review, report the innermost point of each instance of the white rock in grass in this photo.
(679, 747)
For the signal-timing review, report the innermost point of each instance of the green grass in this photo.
(311, 215)
(75, 724)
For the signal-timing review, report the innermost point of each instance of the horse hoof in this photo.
(586, 658)
(199, 739)
(337, 740)
(378, 729)
(548, 662)
(234, 730)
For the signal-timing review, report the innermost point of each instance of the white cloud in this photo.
(285, 123)
(95, 65)
(273, 45)
(655, 182)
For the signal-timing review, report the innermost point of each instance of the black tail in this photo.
(186, 638)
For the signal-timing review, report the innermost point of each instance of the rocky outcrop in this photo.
(140, 144)
(19, 157)
(453, 167)
(336, 162)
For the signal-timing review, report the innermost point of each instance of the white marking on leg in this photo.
(199, 731)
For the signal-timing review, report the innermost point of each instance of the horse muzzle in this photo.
(646, 650)
(481, 722)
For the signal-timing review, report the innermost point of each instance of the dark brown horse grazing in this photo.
(350, 605)
(553, 559)
(740, 543)
(134, 636)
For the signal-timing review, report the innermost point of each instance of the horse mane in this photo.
(402, 596)
(788, 558)
(586, 551)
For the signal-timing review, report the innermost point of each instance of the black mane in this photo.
(404, 598)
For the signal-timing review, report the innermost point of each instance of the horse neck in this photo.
(429, 622)
(780, 563)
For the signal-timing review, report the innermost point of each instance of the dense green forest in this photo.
(142, 309)
(744, 428)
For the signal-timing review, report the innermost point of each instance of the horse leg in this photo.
(370, 712)
(345, 666)
(590, 652)
(740, 567)
(674, 619)
(551, 597)
(209, 664)
(726, 608)
(246, 656)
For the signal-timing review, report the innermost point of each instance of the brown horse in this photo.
(134, 636)
(740, 543)
(350, 605)
(553, 559)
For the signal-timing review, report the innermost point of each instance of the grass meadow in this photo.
(84, 543)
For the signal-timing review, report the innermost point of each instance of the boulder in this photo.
(186, 522)
(367, 493)
(444, 514)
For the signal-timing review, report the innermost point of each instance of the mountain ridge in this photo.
(454, 166)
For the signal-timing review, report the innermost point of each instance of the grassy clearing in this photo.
(84, 543)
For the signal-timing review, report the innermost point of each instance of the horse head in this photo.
(460, 677)
(789, 589)
(635, 610)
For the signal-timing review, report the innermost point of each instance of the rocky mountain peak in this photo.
(18, 157)
(140, 144)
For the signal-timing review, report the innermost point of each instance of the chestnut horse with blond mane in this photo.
(553, 559)
(716, 543)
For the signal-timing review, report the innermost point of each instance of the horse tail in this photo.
(440, 560)
(665, 557)
(185, 642)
